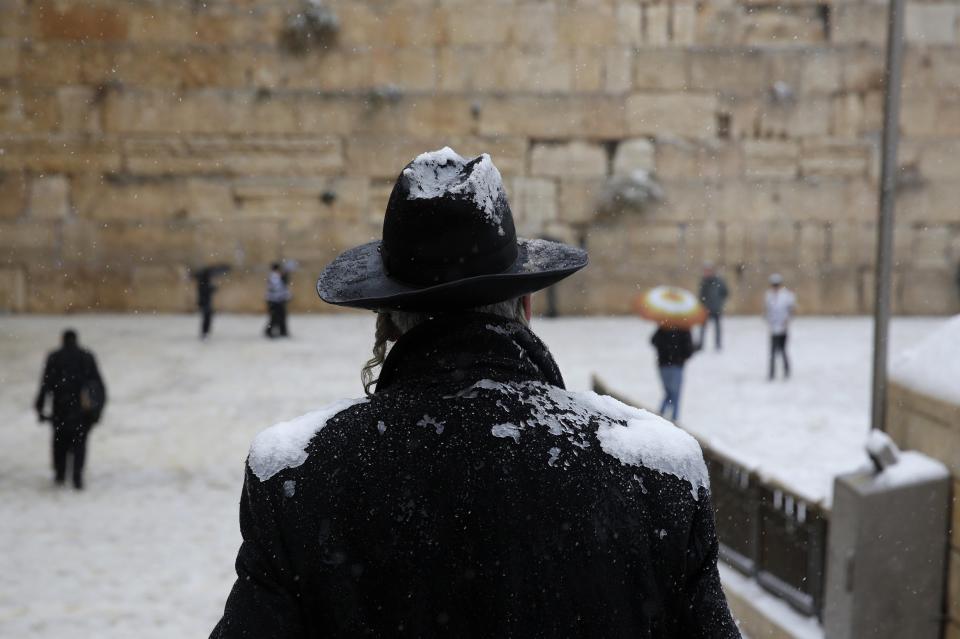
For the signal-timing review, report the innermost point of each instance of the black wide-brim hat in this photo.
(449, 242)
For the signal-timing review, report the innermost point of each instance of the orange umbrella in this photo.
(671, 307)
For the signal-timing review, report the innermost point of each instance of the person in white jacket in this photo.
(779, 305)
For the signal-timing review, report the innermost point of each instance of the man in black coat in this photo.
(73, 380)
(470, 495)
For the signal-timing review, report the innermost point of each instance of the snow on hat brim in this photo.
(356, 278)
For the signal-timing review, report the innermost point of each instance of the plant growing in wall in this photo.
(315, 26)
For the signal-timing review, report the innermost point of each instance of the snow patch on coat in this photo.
(634, 437)
(284, 445)
(649, 440)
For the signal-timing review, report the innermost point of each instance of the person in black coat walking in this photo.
(674, 347)
(469, 494)
(79, 395)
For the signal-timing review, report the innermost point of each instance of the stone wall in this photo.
(139, 138)
(932, 426)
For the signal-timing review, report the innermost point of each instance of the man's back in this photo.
(66, 372)
(473, 497)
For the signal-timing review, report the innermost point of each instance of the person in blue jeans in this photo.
(674, 347)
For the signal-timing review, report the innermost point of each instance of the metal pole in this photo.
(888, 187)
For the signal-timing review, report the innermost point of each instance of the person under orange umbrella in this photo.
(676, 311)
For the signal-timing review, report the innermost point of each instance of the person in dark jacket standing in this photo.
(469, 494)
(278, 294)
(674, 347)
(205, 291)
(78, 393)
(713, 295)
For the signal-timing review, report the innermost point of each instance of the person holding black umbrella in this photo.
(205, 291)
(469, 494)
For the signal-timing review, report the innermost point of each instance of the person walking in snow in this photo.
(779, 306)
(468, 494)
(278, 294)
(713, 295)
(72, 380)
(674, 347)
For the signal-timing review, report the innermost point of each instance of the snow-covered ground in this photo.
(147, 549)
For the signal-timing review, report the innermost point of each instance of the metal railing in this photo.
(766, 530)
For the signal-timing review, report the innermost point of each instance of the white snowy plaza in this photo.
(147, 549)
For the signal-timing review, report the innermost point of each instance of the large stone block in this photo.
(30, 241)
(656, 25)
(123, 245)
(409, 69)
(362, 25)
(49, 197)
(79, 112)
(121, 197)
(629, 25)
(931, 24)
(13, 194)
(9, 58)
(730, 70)
(859, 23)
(249, 155)
(784, 25)
(475, 24)
(660, 69)
(80, 22)
(573, 159)
(633, 154)
(534, 204)
(579, 200)
(161, 288)
(683, 28)
(534, 24)
(822, 72)
(832, 157)
(554, 117)
(931, 248)
(805, 118)
(587, 26)
(27, 110)
(846, 115)
(862, 68)
(689, 115)
(51, 64)
(940, 159)
(932, 292)
(770, 159)
(618, 70)
(932, 203)
(13, 293)
(58, 154)
(678, 159)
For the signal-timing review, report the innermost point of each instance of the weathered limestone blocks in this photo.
(140, 139)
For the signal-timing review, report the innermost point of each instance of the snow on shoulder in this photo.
(284, 445)
(649, 440)
(438, 173)
(932, 367)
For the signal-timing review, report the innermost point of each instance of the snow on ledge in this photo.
(911, 468)
(284, 445)
(932, 367)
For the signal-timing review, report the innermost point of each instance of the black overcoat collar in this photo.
(469, 347)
